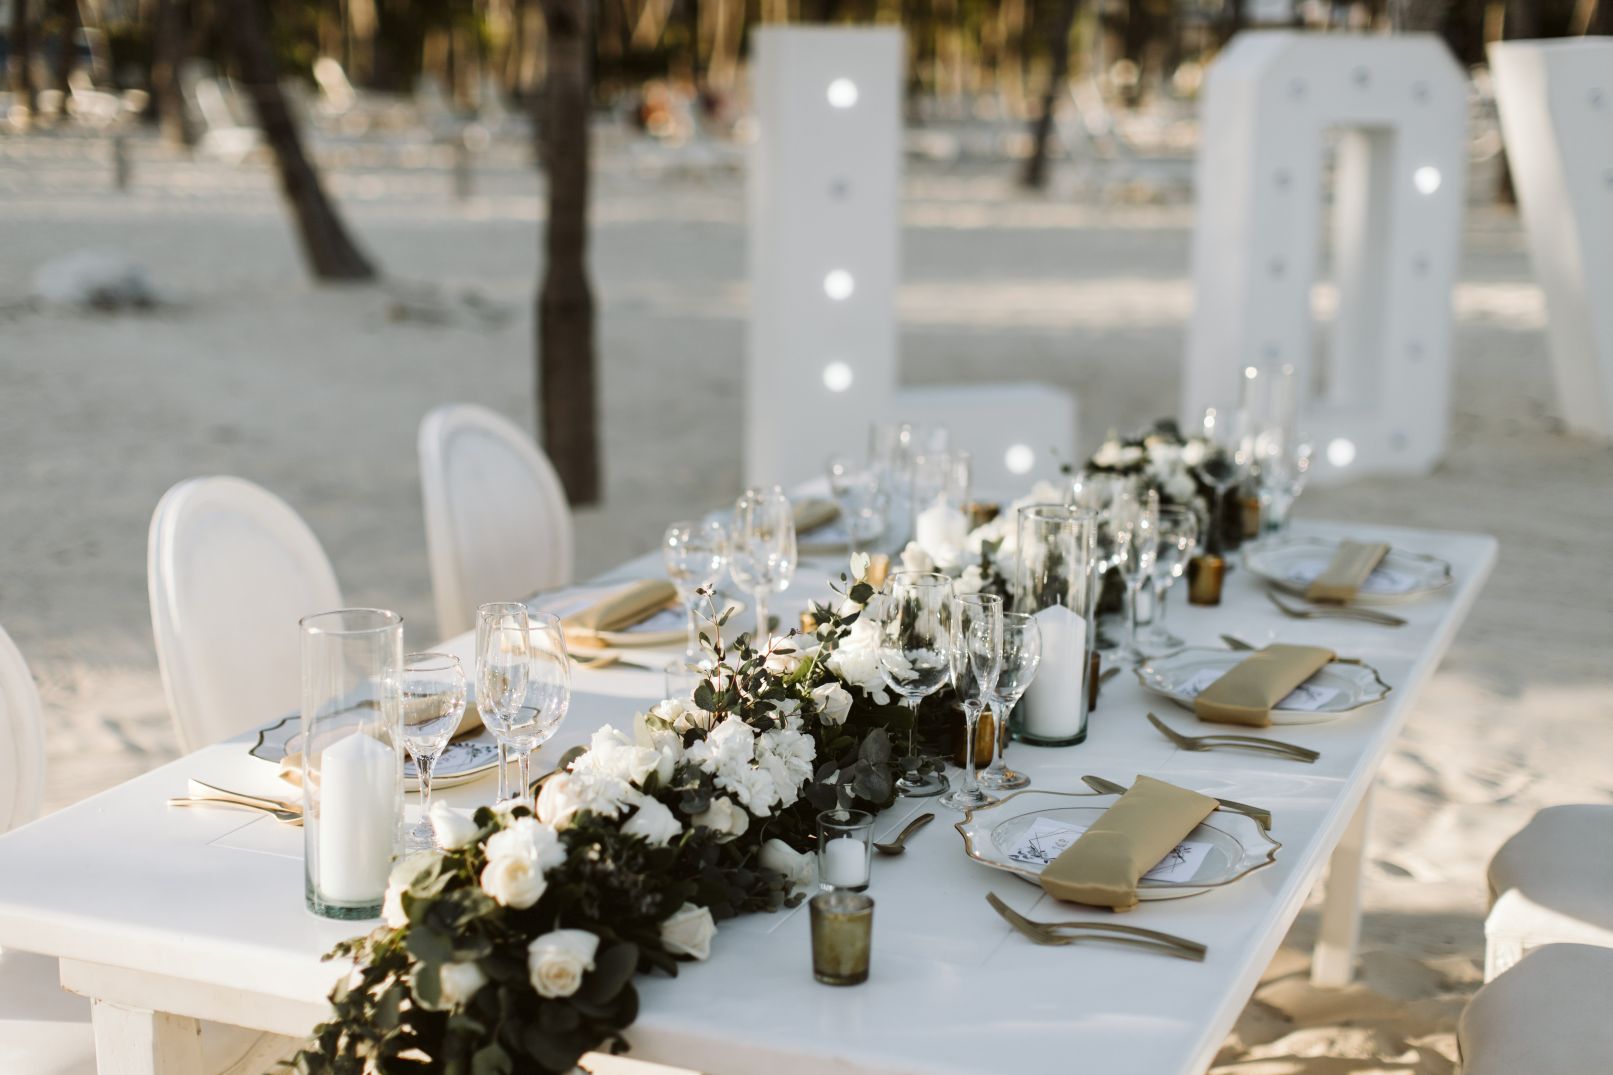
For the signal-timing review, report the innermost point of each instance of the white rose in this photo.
(859, 565)
(833, 702)
(752, 787)
(404, 871)
(612, 755)
(782, 664)
(971, 581)
(856, 661)
(688, 932)
(724, 818)
(513, 881)
(654, 822)
(683, 715)
(914, 558)
(558, 960)
(457, 983)
(1193, 452)
(799, 869)
(453, 828)
(529, 839)
(566, 794)
(667, 745)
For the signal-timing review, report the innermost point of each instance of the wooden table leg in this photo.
(1333, 958)
(129, 1041)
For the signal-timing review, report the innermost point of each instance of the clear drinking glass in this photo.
(940, 495)
(1054, 582)
(1178, 537)
(433, 704)
(352, 758)
(695, 554)
(548, 696)
(977, 657)
(1022, 655)
(762, 549)
(864, 502)
(914, 656)
(1284, 459)
(1136, 526)
(891, 448)
(503, 666)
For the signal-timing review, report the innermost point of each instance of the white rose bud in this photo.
(797, 868)
(688, 932)
(404, 871)
(558, 960)
(453, 828)
(457, 983)
(859, 565)
(654, 822)
(781, 664)
(514, 881)
(971, 581)
(833, 702)
(723, 817)
(914, 558)
(556, 800)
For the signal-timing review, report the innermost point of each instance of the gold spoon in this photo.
(896, 846)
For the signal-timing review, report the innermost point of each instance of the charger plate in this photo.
(461, 761)
(1348, 684)
(1293, 565)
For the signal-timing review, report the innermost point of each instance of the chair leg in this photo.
(129, 1041)
(1333, 960)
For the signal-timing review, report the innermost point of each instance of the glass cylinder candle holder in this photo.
(842, 936)
(352, 758)
(1055, 583)
(845, 839)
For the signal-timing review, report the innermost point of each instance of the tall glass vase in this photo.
(1054, 582)
(352, 758)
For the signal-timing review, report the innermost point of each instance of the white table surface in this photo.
(200, 911)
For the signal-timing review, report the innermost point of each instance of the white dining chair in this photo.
(1551, 883)
(231, 568)
(1546, 1015)
(498, 527)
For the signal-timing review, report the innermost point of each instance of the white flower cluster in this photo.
(1165, 463)
(1005, 529)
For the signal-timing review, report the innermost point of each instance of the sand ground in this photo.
(316, 393)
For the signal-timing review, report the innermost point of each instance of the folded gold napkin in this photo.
(814, 514)
(1338, 583)
(1130, 838)
(1246, 692)
(601, 623)
(469, 724)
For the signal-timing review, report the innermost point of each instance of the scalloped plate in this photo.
(461, 761)
(1181, 675)
(1238, 845)
(1402, 576)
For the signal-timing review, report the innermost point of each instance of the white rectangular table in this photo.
(166, 915)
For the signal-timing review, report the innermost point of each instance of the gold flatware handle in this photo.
(1201, 742)
(898, 845)
(290, 817)
(1346, 612)
(1259, 815)
(212, 790)
(1062, 933)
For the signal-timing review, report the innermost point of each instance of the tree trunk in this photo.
(67, 23)
(167, 56)
(1035, 174)
(1418, 16)
(1601, 19)
(19, 58)
(567, 402)
(331, 254)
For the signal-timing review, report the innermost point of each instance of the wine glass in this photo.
(695, 554)
(548, 695)
(1136, 526)
(503, 667)
(1284, 458)
(864, 501)
(433, 703)
(891, 448)
(977, 658)
(762, 549)
(1022, 655)
(1178, 536)
(914, 644)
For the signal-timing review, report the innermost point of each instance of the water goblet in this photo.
(914, 657)
(1022, 655)
(977, 657)
(864, 502)
(1137, 542)
(548, 695)
(433, 704)
(1178, 537)
(695, 555)
(762, 550)
(503, 663)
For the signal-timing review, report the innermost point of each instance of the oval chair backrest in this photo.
(498, 527)
(231, 568)
(22, 739)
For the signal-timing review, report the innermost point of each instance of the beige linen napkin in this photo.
(813, 514)
(1105, 863)
(604, 622)
(469, 725)
(1246, 692)
(1341, 579)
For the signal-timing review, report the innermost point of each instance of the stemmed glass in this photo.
(914, 644)
(695, 554)
(1285, 462)
(503, 669)
(864, 502)
(762, 549)
(1178, 536)
(1136, 526)
(433, 703)
(1022, 655)
(977, 658)
(548, 695)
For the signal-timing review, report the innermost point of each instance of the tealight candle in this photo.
(843, 849)
(357, 822)
(1051, 708)
(942, 530)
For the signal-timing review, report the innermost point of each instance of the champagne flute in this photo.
(433, 703)
(762, 550)
(1022, 655)
(914, 644)
(548, 695)
(1137, 541)
(1178, 536)
(977, 658)
(502, 669)
(695, 554)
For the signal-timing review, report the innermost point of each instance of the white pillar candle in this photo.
(942, 530)
(845, 862)
(1052, 706)
(357, 829)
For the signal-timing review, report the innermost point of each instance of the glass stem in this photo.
(523, 765)
(1133, 590)
(762, 622)
(503, 771)
(971, 721)
(1160, 590)
(692, 650)
(999, 729)
(912, 705)
(422, 768)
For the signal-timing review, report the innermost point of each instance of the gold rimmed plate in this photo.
(1343, 686)
(1233, 845)
(461, 761)
(1292, 565)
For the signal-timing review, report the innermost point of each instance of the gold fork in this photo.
(1234, 742)
(1335, 612)
(1062, 933)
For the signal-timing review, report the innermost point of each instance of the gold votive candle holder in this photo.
(981, 512)
(842, 935)
(1205, 574)
(809, 622)
(879, 568)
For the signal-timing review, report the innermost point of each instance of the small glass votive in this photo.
(844, 846)
(681, 678)
(879, 568)
(842, 934)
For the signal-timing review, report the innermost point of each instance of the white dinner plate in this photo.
(1230, 845)
(1401, 576)
(666, 628)
(461, 762)
(1339, 688)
